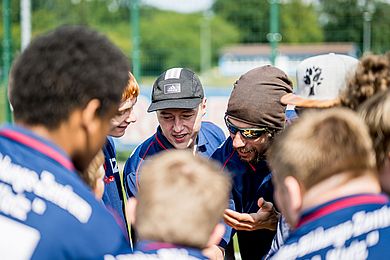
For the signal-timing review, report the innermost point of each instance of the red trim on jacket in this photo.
(39, 146)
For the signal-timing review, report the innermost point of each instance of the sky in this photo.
(183, 6)
(188, 6)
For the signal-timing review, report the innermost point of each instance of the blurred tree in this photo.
(343, 21)
(298, 21)
(167, 38)
(172, 39)
(250, 16)
(106, 17)
(380, 28)
(15, 30)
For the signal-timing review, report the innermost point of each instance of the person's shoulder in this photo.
(109, 149)
(224, 150)
(110, 141)
(59, 196)
(95, 225)
(144, 149)
(209, 128)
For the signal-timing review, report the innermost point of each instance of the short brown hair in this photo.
(372, 76)
(322, 144)
(132, 88)
(376, 113)
(181, 198)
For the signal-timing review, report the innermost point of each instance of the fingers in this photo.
(265, 205)
(213, 253)
(237, 224)
(241, 217)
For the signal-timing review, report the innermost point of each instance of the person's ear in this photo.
(203, 106)
(131, 209)
(295, 196)
(216, 235)
(89, 115)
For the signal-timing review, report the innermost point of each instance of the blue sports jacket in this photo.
(250, 182)
(210, 137)
(351, 227)
(112, 196)
(46, 210)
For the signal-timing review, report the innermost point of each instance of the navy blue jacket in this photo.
(250, 182)
(352, 227)
(46, 210)
(112, 196)
(210, 136)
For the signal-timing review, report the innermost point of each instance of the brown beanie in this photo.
(255, 98)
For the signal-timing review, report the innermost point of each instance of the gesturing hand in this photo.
(265, 218)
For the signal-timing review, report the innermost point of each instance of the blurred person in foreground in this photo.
(372, 81)
(63, 96)
(179, 206)
(320, 80)
(376, 113)
(253, 116)
(327, 187)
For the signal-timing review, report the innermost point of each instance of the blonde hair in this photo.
(181, 198)
(132, 89)
(94, 170)
(376, 113)
(322, 144)
(372, 76)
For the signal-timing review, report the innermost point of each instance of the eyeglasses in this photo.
(249, 133)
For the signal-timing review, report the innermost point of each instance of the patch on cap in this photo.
(172, 88)
(313, 78)
(173, 73)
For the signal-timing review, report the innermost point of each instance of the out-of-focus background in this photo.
(219, 39)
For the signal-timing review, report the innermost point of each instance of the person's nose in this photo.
(131, 118)
(238, 140)
(178, 125)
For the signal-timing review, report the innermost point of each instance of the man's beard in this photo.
(257, 158)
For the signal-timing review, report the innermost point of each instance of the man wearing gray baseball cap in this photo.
(179, 102)
(253, 116)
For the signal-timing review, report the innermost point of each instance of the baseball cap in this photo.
(320, 80)
(176, 88)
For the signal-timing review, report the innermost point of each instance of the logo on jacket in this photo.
(114, 165)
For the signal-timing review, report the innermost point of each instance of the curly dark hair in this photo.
(62, 71)
(372, 76)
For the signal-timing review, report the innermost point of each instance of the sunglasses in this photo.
(249, 133)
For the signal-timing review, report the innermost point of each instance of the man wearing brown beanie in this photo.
(254, 115)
